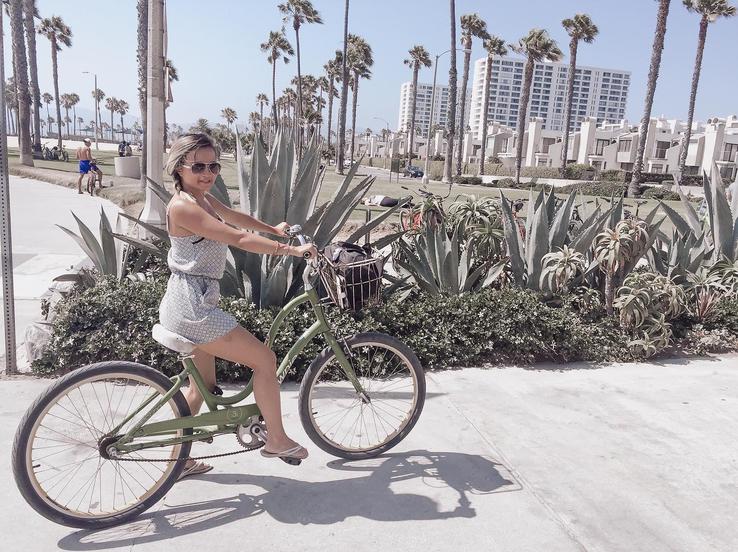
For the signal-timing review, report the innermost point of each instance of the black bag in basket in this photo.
(363, 281)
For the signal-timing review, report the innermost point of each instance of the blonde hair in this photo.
(181, 147)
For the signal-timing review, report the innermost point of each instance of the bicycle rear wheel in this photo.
(57, 460)
(343, 423)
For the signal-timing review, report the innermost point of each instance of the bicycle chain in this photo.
(189, 457)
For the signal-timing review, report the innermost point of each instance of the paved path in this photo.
(627, 458)
(41, 251)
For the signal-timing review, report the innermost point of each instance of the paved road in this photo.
(627, 458)
(41, 251)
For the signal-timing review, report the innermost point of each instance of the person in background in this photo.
(84, 156)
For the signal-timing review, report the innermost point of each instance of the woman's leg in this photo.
(205, 363)
(242, 347)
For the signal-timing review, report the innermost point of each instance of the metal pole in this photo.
(426, 178)
(154, 209)
(97, 110)
(6, 242)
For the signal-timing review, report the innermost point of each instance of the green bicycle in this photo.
(107, 441)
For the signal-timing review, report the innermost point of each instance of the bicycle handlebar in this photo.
(295, 232)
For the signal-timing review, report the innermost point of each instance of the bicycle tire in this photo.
(22, 459)
(318, 436)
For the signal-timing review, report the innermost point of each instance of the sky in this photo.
(215, 47)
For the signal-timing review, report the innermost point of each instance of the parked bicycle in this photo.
(54, 153)
(429, 212)
(107, 441)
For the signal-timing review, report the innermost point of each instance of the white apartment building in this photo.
(599, 93)
(423, 115)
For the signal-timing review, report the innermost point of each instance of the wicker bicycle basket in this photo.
(352, 285)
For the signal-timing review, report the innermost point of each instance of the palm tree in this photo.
(42, 126)
(451, 118)
(580, 27)
(229, 114)
(58, 34)
(299, 12)
(142, 49)
(122, 109)
(344, 93)
(254, 120)
(709, 11)
(634, 188)
(322, 83)
(20, 69)
(73, 101)
(98, 96)
(202, 126)
(111, 104)
(360, 60)
(494, 46)
(535, 46)
(471, 25)
(261, 99)
(47, 99)
(79, 120)
(66, 102)
(29, 12)
(332, 70)
(277, 46)
(418, 57)
(172, 76)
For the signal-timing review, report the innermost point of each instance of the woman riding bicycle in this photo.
(201, 228)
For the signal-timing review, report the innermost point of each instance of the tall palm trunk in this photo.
(261, 120)
(21, 81)
(142, 36)
(634, 188)
(573, 47)
(451, 122)
(298, 110)
(320, 113)
(28, 6)
(344, 94)
(123, 129)
(330, 111)
(74, 119)
(55, 73)
(485, 113)
(462, 103)
(523, 115)
(416, 69)
(353, 114)
(274, 89)
(693, 94)
(112, 130)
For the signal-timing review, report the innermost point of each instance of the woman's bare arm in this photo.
(240, 219)
(195, 219)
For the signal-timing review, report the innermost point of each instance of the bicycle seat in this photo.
(171, 340)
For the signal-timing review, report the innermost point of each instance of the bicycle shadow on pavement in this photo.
(457, 477)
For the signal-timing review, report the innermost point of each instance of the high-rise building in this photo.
(600, 93)
(423, 116)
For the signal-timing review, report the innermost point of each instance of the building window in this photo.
(661, 148)
(625, 145)
(600, 146)
(729, 154)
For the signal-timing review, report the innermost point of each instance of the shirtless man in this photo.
(86, 164)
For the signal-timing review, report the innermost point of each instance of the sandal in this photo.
(196, 468)
(293, 456)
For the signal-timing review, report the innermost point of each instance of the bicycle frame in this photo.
(221, 412)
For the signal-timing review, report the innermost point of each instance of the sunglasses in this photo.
(198, 168)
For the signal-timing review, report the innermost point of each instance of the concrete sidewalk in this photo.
(42, 251)
(639, 457)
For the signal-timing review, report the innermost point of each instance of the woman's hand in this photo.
(307, 251)
(281, 229)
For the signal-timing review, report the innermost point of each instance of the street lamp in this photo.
(433, 103)
(97, 108)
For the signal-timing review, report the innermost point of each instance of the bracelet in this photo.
(276, 248)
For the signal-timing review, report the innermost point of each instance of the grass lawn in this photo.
(382, 185)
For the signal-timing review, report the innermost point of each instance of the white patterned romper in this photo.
(190, 305)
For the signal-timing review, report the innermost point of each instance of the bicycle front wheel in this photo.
(350, 425)
(59, 458)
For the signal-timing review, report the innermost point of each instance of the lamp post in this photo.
(97, 108)
(433, 103)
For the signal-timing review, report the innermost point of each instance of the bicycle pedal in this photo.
(290, 461)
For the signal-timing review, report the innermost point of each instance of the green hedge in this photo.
(113, 321)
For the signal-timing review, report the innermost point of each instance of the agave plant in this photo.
(613, 249)
(643, 295)
(102, 253)
(443, 263)
(560, 268)
(279, 188)
(654, 337)
(705, 289)
(547, 230)
(727, 272)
